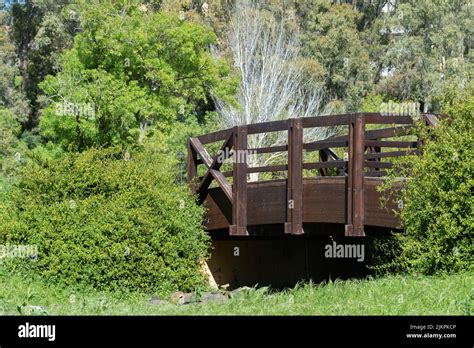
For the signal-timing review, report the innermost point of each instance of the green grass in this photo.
(391, 295)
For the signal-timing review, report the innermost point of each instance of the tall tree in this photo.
(431, 50)
(273, 83)
(132, 66)
(14, 108)
(332, 37)
(40, 31)
(11, 93)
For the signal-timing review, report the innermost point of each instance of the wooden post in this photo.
(359, 162)
(294, 208)
(349, 180)
(355, 180)
(239, 186)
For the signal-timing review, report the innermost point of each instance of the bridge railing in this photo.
(365, 156)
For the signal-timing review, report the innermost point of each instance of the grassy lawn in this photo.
(392, 295)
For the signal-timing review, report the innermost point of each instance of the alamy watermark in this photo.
(345, 251)
(85, 110)
(37, 331)
(239, 156)
(403, 108)
(18, 251)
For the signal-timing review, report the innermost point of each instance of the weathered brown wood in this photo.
(377, 118)
(323, 202)
(431, 119)
(349, 226)
(378, 155)
(358, 178)
(324, 144)
(215, 136)
(201, 151)
(269, 149)
(274, 168)
(328, 164)
(215, 165)
(400, 144)
(223, 184)
(371, 164)
(373, 151)
(239, 186)
(375, 173)
(267, 127)
(294, 201)
(331, 154)
(342, 141)
(326, 121)
(355, 184)
(375, 134)
(349, 199)
(324, 156)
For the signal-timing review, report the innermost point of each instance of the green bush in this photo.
(438, 203)
(106, 220)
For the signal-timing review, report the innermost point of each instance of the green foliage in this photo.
(438, 200)
(11, 148)
(431, 51)
(40, 31)
(408, 50)
(390, 295)
(331, 36)
(134, 66)
(108, 220)
(11, 93)
(372, 103)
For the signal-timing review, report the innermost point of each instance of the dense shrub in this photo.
(103, 219)
(438, 203)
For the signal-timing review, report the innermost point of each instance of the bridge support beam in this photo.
(355, 180)
(239, 186)
(294, 208)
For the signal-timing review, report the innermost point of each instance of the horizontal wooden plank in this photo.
(324, 144)
(328, 164)
(269, 149)
(387, 154)
(387, 143)
(375, 173)
(323, 202)
(274, 168)
(376, 164)
(377, 118)
(375, 134)
(267, 127)
(315, 121)
(327, 121)
(215, 136)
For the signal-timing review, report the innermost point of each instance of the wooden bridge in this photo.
(333, 190)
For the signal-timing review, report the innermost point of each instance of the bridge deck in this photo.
(324, 202)
(339, 188)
